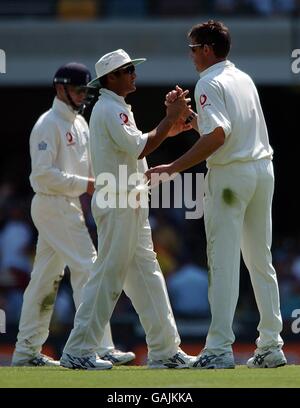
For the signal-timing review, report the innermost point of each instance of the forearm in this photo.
(157, 136)
(200, 151)
(192, 119)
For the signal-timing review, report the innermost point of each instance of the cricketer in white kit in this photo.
(126, 258)
(238, 197)
(61, 172)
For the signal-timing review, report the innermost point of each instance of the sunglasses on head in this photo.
(130, 69)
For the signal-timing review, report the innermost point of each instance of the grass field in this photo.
(137, 377)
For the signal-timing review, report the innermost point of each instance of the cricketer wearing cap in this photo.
(126, 258)
(60, 173)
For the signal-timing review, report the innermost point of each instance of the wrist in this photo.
(174, 168)
(190, 118)
(170, 119)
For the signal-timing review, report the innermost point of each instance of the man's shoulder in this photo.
(46, 119)
(108, 107)
(208, 83)
(108, 102)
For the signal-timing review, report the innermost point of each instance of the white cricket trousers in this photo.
(237, 215)
(126, 260)
(63, 240)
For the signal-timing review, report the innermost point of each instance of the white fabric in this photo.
(60, 168)
(59, 152)
(127, 262)
(116, 141)
(126, 258)
(227, 97)
(237, 205)
(63, 240)
(235, 219)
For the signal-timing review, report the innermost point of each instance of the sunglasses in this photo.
(194, 46)
(130, 69)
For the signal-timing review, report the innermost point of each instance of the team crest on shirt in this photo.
(42, 145)
(203, 101)
(70, 139)
(124, 118)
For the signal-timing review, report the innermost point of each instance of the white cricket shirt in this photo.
(59, 152)
(227, 97)
(115, 140)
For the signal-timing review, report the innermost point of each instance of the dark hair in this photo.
(213, 33)
(103, 81)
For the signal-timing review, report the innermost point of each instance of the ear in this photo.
(111, 77)
(59, 89)
(206, 49)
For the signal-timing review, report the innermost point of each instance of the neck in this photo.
(117, 91)
(211, 63)
(64, 101)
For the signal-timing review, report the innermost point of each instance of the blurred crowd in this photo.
(92, 9)
(180, 245)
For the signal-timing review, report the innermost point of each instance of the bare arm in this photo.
(200, 151)
(157, 136)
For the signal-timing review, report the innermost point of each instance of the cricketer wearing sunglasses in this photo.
(238, 197)
(126, 258)
(61, 172)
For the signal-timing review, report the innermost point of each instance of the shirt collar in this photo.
(121, 99)
(216, 66)
(64, 110)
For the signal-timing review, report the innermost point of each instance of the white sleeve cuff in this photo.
(80, 185)
(142, 143)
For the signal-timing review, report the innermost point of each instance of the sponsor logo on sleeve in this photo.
(124, 118)
(203, 99)
(70, 139)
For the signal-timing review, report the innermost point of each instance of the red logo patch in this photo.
(124, 118)
(203, 99)
(70, 139)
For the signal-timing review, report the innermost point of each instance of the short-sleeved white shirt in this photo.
(114, 138)
(227, 97)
